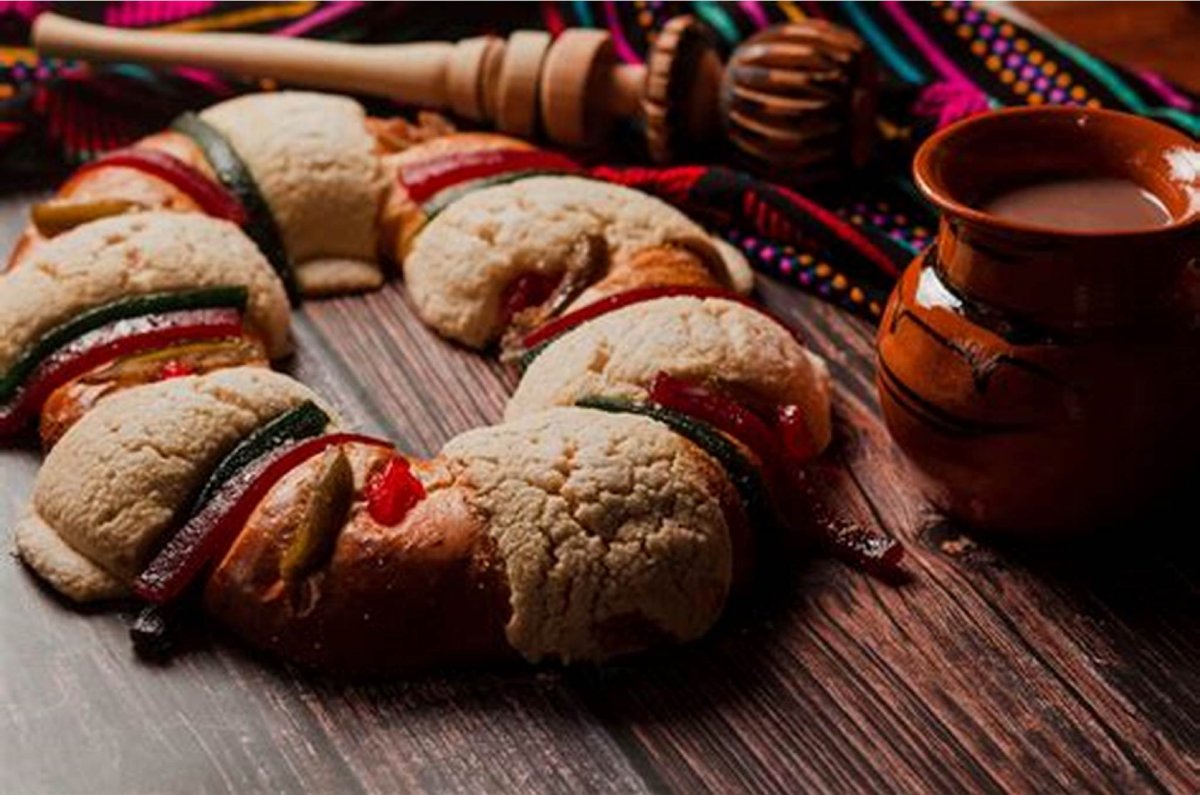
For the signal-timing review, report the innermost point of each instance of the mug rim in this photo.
(940, 195)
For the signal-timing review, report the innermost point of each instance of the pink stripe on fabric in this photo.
(208, 79)
(147, 14)
(624, 51)
(1165, 90)
(843, 230)
(553, 19)
(925, 44)
(756, 13)
(23, 8)
(327, 13)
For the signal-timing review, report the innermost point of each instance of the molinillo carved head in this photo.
(798, 95)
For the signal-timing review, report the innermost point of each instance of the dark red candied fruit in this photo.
(125, 337)
(867, 550)
(721, 412)
(209, 195)
(795, 439)
(530, 289)
(425, 179)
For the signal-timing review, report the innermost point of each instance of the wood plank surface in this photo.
(1162, 36)
(992, 670)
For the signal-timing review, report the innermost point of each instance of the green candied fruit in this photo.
(121, 309)
(322, 517)
(744, 474)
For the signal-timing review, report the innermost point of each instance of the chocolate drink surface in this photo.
(1084, 205)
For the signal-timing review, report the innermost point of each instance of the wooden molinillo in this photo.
(796, 100)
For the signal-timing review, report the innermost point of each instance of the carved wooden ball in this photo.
(798, 101)
(683, 74)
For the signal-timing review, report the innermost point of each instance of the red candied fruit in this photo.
(392, 491)
(175, 368)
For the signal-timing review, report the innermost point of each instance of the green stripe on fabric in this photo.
(583, 10)
(1107, 77)
(907, 71)
(714, 15)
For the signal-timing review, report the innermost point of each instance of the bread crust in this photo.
(390, 600)
(573, 535)
(117, 481)
(128, 255)
(143, 191)
(402, 218)
(461, 264)
(69, 402)
(710, 340)
(315, 164)
(612, 529)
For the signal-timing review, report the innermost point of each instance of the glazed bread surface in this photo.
(128, 255)
(117, 480)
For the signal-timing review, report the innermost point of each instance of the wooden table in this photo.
(1161, 36)
(995, 669)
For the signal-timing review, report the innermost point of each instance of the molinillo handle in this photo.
(572, 88)
(412, 72)
(799, 96)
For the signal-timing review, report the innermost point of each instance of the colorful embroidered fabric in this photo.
(941, 61)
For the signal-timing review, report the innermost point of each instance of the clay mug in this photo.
(1041, 379)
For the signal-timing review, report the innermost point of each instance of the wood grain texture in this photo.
(1163, 36)
(993, 670)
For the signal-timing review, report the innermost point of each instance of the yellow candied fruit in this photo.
(1093, 103)
(965, 31)
(920, 231)
(1049, 68)
(1063, 79)
(1035, 98)
(1021, 87)
(1036, 57)
(1078, 92)
(839, 282)
(806, 259)
(978, 47)
(1007, 76)
(1021, 45)
(950, 15)
(856, 295)
(1006, 30)
(993, 62)
(823, 270)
